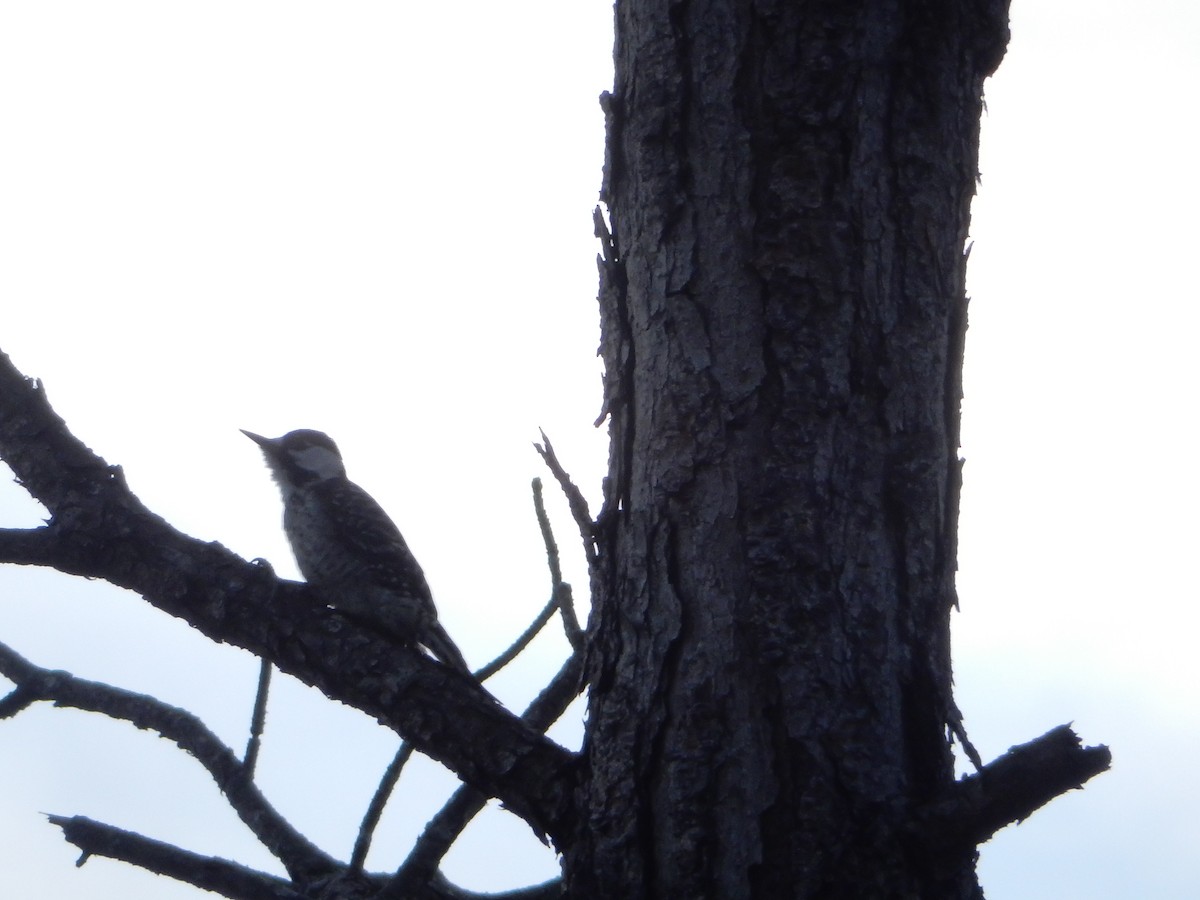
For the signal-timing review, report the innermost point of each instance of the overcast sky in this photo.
(375, 219)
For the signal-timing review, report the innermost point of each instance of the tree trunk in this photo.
(783, 318)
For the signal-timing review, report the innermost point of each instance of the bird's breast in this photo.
(320, 554)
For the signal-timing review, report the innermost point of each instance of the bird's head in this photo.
(300, 457)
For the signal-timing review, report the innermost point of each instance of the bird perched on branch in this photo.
(350, 552)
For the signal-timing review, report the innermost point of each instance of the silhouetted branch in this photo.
(298, 855)
(239, 882)
(258, 717)
(566, 608)
(561, 598)
(29, 546)
(206, 872)
(100, 530)
(387, 784)
(959, 731)
(1010, 788)
(575, 499)
(522, 641)
(16, 700)
(539, 508)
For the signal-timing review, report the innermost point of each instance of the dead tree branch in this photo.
(258, 718)
(523, 640)
(1011, 788)
(366, 831)
(560, 591)
(575, 499)
(560, 599)
(209, 873)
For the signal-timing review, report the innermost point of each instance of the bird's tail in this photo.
(440, 645)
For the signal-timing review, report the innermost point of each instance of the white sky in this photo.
(375, 219)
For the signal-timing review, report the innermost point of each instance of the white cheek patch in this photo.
(321, 461)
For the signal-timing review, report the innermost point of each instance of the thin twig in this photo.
(575, 499)
(258, 718)
(539, 621)
(556, 601)
(539, 508)
(566, 606)
(560, 597)
(520, 643)
(955, 721)
(366, 831)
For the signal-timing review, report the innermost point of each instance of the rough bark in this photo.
(783, 316)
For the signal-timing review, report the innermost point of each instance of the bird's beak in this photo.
(265, 443)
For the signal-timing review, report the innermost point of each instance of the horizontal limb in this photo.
(1010, 789)
(206, 872)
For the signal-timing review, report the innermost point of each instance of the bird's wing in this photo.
(369, 534)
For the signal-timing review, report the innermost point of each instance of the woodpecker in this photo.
(350, 552)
